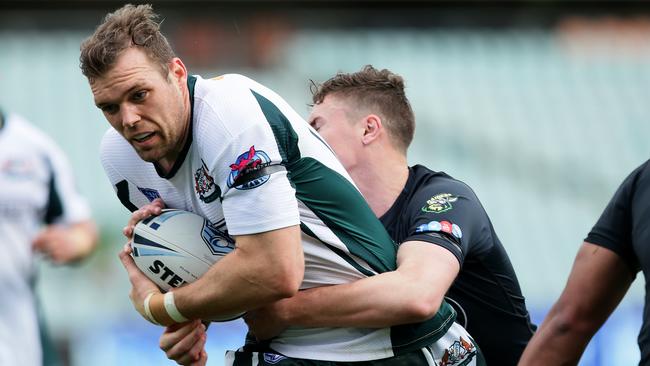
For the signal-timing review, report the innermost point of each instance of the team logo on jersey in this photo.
(204, 184)
(437, 226)
(440, 203)
(19, 169)
(151, 194)
(460, 353)
(272, 358)
(217, 240)
(246, 165)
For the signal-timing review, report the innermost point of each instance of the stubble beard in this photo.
(152, 154)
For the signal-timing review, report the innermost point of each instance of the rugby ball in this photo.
(177, 247)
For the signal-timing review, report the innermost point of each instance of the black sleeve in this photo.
(614, 228)
(54, 207)
(449, 215)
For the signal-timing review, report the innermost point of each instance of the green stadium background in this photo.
(541, 107)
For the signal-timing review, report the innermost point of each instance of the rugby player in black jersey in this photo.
(612, 254)
(355, 113)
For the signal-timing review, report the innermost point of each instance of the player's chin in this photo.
(148, 154)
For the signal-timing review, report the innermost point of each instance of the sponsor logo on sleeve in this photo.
(460, 353)
(438, 226)
(246, 165)
(440, 203)
(204, 184)
(150, 193)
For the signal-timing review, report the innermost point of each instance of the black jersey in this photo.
(624, 228)
(436, 208)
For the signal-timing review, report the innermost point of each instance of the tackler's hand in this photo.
(266, 322)
(185, 342)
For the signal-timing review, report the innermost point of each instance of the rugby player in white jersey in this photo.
(40, 212)
(233, 151)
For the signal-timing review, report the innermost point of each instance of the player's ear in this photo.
(177, 70)
(372, 128)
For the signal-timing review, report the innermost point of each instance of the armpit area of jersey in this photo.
(442, 239)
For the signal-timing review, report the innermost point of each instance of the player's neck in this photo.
(167, 163)
(382, 180)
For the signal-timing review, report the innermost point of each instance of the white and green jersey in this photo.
(252, 165)
(37, 189)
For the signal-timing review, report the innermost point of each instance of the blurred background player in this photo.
(615, 250)
(41, 212)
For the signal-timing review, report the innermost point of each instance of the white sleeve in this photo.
(112, 150)
(247, 161)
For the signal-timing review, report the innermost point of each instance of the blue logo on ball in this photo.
(217, 240)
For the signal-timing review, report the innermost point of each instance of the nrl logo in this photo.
(440, 203)
(460, 353)
(217, 240)
(272, 358)
(204, 184)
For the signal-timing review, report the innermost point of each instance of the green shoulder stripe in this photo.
(341, 207)
(285, 136)
(331, 197)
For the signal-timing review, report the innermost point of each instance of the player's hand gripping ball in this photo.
(178, 247)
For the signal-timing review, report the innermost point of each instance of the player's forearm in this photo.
(225, 289)
(262, 270)
(412, 293)
(560, 340)
(376, 302)
(598, 281)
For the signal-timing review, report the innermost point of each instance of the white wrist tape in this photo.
(172, 310)
(147, 310)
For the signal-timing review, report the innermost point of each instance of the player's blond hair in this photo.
(128, 26)
(380, 91)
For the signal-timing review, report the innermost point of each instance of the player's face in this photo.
(149, 109)
(336, 121)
